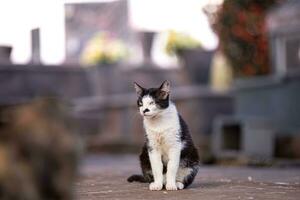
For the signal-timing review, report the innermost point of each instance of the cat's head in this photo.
(152, 101)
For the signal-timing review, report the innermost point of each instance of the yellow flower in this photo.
(180, 41)
(103, 49)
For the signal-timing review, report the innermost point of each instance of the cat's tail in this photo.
(137, 178)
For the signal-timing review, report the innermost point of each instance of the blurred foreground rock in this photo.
(39, 151)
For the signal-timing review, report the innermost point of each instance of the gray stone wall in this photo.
(104, 100)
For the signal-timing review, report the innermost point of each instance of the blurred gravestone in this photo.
(284, 28)
(5, 52)
(35, 46)
(267, 108)
(83, 20)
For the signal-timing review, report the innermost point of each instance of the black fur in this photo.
(137, 178)
(189, 155)
(156, 93)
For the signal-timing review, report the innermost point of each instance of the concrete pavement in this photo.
(104, 177)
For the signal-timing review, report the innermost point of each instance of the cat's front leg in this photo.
(172, 168)
(157, 170)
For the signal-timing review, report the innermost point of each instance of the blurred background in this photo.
(234, 67)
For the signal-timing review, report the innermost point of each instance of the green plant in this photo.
(177, 42)
(241, 27)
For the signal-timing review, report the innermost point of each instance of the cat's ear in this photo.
(139, 89)
(164, 89)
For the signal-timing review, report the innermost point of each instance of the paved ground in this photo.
(104, 177)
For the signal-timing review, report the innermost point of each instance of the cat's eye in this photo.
(140, 103)
(151, 103)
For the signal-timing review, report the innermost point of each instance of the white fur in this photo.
(148, 103)
(162, 129)
(179, 185)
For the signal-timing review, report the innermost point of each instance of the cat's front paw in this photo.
(155, 186)
(171, 186)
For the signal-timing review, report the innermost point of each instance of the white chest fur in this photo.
(163, 131)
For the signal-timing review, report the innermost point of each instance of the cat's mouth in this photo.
(149, 116)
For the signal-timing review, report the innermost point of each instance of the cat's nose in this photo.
(146, 110)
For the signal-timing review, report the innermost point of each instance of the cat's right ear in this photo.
(139, 89)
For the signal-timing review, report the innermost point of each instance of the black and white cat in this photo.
(169, 157)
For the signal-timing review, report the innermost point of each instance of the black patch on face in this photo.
(139, 102)
(156, 94)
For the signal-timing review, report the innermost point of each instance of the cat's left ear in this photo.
(164, 89)
(139, 89)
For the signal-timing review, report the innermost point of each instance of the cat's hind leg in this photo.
(179, 185)
(185, 176)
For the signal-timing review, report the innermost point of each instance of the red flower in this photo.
(243, 36)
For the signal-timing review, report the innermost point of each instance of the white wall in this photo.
(18, 18)
(180, 15)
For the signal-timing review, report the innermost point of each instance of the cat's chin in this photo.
(149, 116)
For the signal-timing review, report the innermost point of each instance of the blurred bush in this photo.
(241, 27)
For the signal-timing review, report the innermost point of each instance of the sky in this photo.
(18, 17)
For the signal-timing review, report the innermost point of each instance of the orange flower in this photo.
(249, 70)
